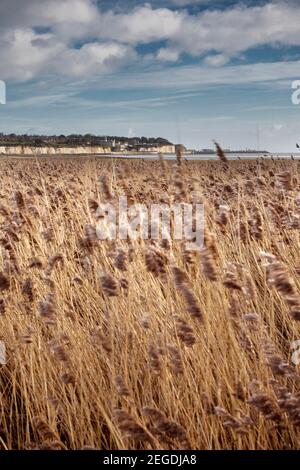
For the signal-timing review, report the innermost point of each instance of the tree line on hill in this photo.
(78, 139)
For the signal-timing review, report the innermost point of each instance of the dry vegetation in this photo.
(143, 345)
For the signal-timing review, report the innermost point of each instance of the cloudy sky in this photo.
(188, 70)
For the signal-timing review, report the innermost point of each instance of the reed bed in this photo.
(136, 344)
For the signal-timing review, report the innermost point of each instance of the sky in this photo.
(188, 70)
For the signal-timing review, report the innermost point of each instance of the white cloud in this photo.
(236, 30)
(275, 75)
(141, 25)
(167, 55)
(184, 3)
(26, 55)
(29, 13)
(217, 60)
(78, 39)
(23, 54)
(228, 31)
(95, 59)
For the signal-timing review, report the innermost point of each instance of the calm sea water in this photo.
(209, 156)
(202, 157)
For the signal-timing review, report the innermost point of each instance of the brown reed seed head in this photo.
(220, 153)
(46, 309)
(109, 285)
(28, 289)
(4, 282)
(129, 426)
(208, 264)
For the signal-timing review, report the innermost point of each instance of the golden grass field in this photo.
(143, 345)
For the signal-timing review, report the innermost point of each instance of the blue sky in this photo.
(188, 70)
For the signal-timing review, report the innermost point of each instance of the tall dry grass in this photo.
(142, 345)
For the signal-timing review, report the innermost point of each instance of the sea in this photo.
(147, 156)
(210, 156)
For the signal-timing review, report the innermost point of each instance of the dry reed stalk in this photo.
(220, 153)
(146, 340)
(182, 284)
(129, 426)
(279, 277)
(166, 429)
(50, 439)
(238, 424)
(106, 187)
